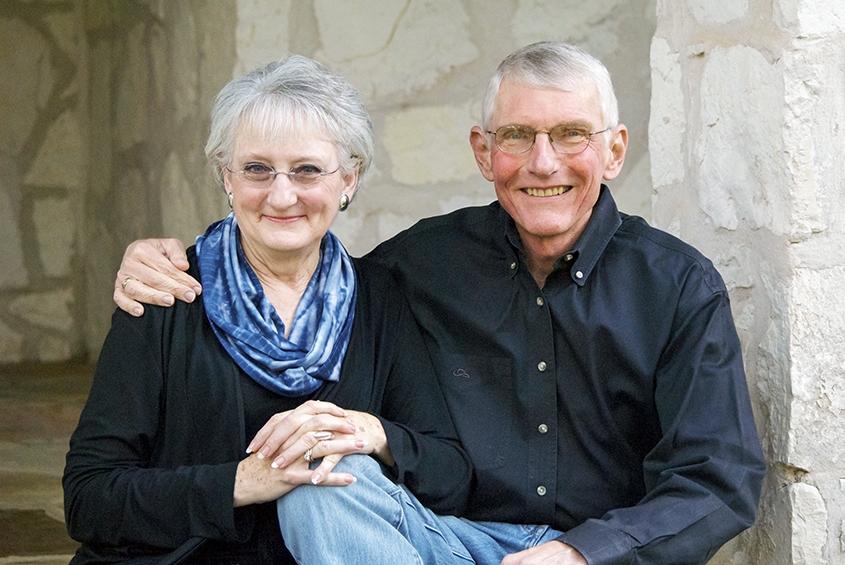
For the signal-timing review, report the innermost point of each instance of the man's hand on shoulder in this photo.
(153, 272)
(552, 552)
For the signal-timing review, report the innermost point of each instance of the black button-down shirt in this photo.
(611, 404)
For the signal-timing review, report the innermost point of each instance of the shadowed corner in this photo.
(39, 408)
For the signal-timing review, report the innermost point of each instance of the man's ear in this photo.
(618, 148)
(480, 142)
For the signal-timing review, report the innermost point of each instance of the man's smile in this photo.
(551, 191)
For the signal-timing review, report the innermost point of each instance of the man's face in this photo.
(548, 194)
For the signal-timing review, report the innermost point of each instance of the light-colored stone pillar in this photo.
(747, 137)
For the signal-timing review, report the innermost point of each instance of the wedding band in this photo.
(124, 282)
(307, 455)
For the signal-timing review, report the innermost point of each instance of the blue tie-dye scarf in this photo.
(252, 332)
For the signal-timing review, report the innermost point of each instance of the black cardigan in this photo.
(152, 463)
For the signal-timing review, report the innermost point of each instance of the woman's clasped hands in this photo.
(281, 453)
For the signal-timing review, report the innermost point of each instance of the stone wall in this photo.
(746, 135)
(43, 164)
(107, 109)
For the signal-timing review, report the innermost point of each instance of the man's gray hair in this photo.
(287, 97)
(553, 64)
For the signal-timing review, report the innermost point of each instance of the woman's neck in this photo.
(284, 277)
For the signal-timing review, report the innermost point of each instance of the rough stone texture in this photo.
(718, 11)
(262, 33)
(60, 161)
(811, 17)
(51, 310)
(734, 175)
(55, 226)
(11, 345)
(422, 147)
(13, 273)
(817, 350)
(24, 56)
(400, 49)
(809, 520)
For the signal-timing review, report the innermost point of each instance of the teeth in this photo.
(554, 191)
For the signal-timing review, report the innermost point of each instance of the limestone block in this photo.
(134, 96)
(183, 65)
(11, 345)
(429, 144)
(813, 86)
(740, 168)
(810, 17)
(13, 272)
(49, 310)
(718, 11)
(667, 125)
(809, 525)
(772, 365)
(60, 161)
(589, 25)
(55, 232)
(817, 351)
(65, 30)
(401, 48)
(23, 55)
(53, 348)
(261, 33)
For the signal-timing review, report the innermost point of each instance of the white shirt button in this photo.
(540, 301)
(541, 490)
(541, 366)
(543, 428)
(513, 266)
(579, 275)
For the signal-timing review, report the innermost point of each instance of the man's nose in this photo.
(543, 160)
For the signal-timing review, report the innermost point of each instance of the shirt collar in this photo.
(582, 258)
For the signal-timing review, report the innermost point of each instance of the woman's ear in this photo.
(480, 143)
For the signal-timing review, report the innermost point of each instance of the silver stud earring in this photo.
(344, 202)
(231, 197)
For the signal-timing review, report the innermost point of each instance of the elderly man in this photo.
(590, 361)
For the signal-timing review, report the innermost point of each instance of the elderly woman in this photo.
(308, 353)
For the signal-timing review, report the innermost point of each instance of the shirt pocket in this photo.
(480, 394)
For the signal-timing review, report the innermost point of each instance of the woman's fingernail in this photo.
(316, 478)
(189, 296)
(322, 436)
(169, 300)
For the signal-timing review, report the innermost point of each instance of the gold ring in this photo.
(125, 282)
(307, 455)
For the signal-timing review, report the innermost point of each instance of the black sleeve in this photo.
(114, 493)
(429, 458)
(703, 478)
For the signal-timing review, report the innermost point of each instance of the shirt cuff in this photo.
(599, 544)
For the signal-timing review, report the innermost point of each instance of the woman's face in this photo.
(285, 219)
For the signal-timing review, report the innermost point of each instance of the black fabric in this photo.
(152, 463)
(637, 424)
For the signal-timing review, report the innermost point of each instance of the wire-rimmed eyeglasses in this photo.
(565, 139)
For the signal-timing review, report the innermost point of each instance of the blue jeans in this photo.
(376, 522)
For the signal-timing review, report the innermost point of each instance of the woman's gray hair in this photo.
(553, 64)
(287, 97)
